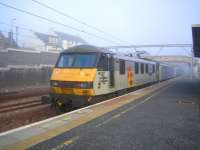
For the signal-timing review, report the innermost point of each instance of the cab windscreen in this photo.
(77, 60)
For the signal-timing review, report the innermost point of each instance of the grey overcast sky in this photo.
(134, 21)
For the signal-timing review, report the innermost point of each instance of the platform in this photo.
(162, 116)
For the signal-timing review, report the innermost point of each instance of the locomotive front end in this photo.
(72, 80)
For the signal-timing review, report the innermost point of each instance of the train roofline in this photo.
(195, 25)
(91, 48)
(85, 49)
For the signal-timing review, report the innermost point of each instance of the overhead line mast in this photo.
(153, 45)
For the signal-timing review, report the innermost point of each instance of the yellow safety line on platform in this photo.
(66, 143)
(130, 108)
(97, 111)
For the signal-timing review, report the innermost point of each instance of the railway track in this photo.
(24, 107)
(23, 94)
(21, 106)
(22, 100)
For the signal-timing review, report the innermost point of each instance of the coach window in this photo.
(142, 68)
(146, 68)
(122, 66)
(151, 68)
(136, 68)
(103, 63)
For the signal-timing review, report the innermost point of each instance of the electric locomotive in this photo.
(85, 72)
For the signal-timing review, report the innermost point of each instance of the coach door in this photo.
(112, 71)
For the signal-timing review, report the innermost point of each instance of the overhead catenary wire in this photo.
(160, 46)
(77, 20)
(150, 46)
(81, 22)
(22, 28)
(57, 22)
(78, 30)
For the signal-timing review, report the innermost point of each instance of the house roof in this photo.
(43, 37)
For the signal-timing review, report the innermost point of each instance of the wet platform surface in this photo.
(165, 119)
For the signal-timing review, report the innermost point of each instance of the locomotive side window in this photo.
(142, 68)
(153, 68)
(136, 68)
(122, 67)
(146, 68)
(103, 63)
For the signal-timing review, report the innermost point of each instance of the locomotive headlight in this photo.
(86, 85)
(54, 83)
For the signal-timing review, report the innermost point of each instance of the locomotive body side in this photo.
(83, 73)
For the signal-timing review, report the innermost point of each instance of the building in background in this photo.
(53, 41)
(57, 41)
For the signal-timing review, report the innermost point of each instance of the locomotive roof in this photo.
(85, 49)
(135, 59)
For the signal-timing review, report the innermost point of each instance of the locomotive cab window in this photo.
(77, 60)
(153, 68)
(122, 67)
(142, 68)
(65, 61)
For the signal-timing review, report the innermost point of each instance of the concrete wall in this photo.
(16, 78)
(48, 58)
(25, 68)
(3, 58)
(14, 57)
(23, 58)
